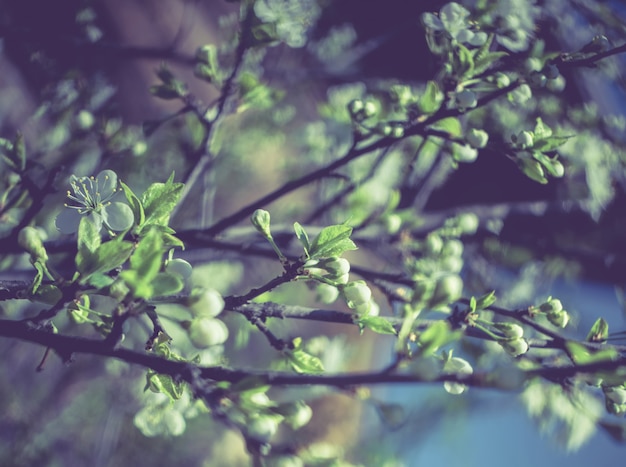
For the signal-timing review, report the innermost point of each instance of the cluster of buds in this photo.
(512, 341)
(553, 310)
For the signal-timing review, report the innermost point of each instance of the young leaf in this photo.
(304, 362)
(88, 243)
(159, 200)
(435, 336)
(541, 131)
(135, 204)
(432, 98)
(450, 125)
(599, 332)
(486, 300)
(148, 256)
(333, 240)
(303, 237)
(582, 355)
(378, 324)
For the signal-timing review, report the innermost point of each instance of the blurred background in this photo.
(75, 80)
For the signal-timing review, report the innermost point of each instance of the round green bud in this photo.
(327, 293)
(370, 109)
(355, 107)
(468, 222)
(261, 428)
(261, 221)
(452, 247)
(514, 347)
(558, 318)
(452, 264)
(433, 244)
(553, 305)
(393, 223)
(85, 120)
(465, 99)
(448, 289)
(464, 153)
(299, 414)
(477, 138)
(206, 302)
(206, 332)
(337, 266)
(179, 267)
(502, 80)
(459, 367)
(356, 293)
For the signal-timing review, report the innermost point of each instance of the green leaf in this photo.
(159, 200)
(464, 61)
(378, 324)
(435, 336)
(432, 98)
(541, 131)
(148, 257)
(333, 240)
(582, 355)
(304, 362)
(88, 243)
(450, 125)
(485, 61)
(551, 143)
(88, 236)
(486, 300)
(135, 204)
(107, 257)
(472, 304)
(166, 284)
(164, 384)
(303, 237)
(599, 332)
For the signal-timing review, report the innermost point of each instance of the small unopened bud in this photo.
(261, 221)
(357, 293)
(558, 318)
(466, 99)
(337, 266)
(553, 305)
(510, 330)
(477, 138)
(514, 347)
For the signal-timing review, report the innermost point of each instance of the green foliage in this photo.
(381, 153)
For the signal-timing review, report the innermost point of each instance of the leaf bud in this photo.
(553, 305)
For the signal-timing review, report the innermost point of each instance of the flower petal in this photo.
(432, 22)
(118, 216)
(67, 221)
(107, 184)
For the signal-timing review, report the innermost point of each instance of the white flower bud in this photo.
(206, 332)
(357, 293)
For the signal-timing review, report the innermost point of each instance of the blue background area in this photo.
(491, 428)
